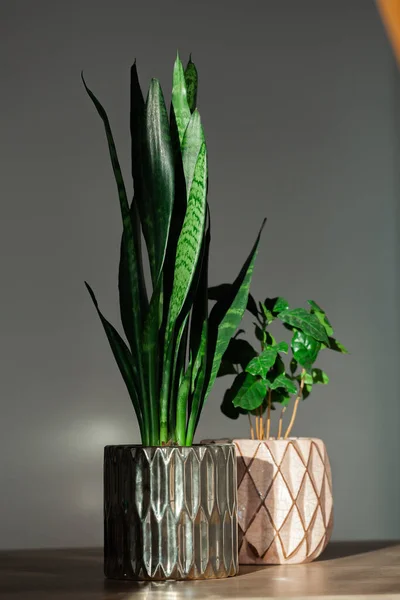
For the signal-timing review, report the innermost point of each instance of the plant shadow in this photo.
(338, 549)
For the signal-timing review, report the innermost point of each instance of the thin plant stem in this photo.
(268, 421)
(251, 427)
(281, 422)
(261, 423)
(296, 404)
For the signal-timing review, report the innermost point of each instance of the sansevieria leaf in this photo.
(199, 315)
(129, 317)
(187, 255)
(149, 345)
(131, 259)
(123, 359)
(141, 209)
(191, 80)
(191, 144)
(190, 239)
(226, 315)
(218, 292)
(198, 341)
(179, 99)
(158, 173)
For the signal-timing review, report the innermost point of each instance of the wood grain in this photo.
(345, 570)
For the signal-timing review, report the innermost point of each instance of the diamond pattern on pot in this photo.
(278, 501)
(316, 468)
(292, 469)
(284, 500)
(261, 532)
(262, 469)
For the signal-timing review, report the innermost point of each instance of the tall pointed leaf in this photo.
(224, 319)
(191, 80)
(191, 144)
(126, 300)
(178, 370)
(150, 362)
(217, 292)
(198, 325)
(158, 173)
(123, 359)
(181, 407)
(197, 299)
(137, 116)
(140, 206)
(190, 240)
(226, 315)
(179, 99)
(131, 259)
(199, 382)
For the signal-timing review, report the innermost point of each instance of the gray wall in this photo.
(298, 101)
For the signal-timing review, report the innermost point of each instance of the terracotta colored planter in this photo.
(285, 506)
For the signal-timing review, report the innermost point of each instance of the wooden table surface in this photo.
(345, 570)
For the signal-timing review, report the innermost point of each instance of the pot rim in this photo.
(175, 447)
(271, 439)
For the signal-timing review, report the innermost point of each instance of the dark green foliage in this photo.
(263, 375)
(175, 347)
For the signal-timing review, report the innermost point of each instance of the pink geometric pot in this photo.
(285, 505)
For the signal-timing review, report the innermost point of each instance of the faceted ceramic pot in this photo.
(285, 506)
(170, 512)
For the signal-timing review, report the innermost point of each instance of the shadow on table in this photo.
(334, 550)
(344, 549)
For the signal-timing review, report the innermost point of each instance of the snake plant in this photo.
(174, 344)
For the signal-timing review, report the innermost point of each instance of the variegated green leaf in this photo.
(190, 240)
(218, 292)
(179, 99)
(191, 80)
(198, 342)
(199, 316)
(199, 383)
(191, 144)
(226, 315)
